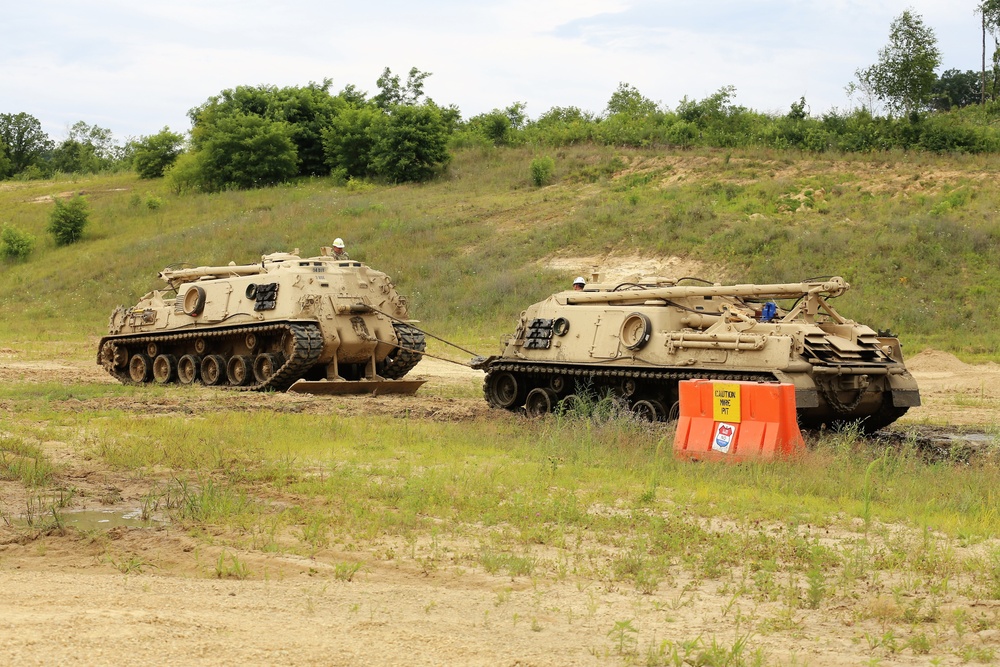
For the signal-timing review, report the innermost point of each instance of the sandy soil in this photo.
(67, 601)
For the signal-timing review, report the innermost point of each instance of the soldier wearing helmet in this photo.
(338, 249)
(579, 283)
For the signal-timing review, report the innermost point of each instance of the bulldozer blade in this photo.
(373, 387)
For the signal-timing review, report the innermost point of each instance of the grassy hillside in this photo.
(914, 234)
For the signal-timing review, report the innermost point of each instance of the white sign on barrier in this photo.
(723, 437)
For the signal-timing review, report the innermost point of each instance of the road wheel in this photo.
(649, 410)
(266, 365)
(188, 368)
(571, 405)
(140, 368)
(239, 370)
(539, 402)
(165, 368)
(213, 370)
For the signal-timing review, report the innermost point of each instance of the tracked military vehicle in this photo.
(639, 340)
(312, 324)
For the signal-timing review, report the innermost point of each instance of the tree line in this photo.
(252, 136)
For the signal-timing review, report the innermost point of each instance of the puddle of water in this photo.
(108, 518)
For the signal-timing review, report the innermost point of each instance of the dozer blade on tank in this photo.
(307, 324)
(373, 387)
(639, 340)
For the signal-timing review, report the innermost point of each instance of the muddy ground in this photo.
(73, 598)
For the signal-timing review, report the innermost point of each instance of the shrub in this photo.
(185, 173)
(30, 173)
(154, 154)
(682, 133)
(68, 220)
(816, 140)
(410, 144)
(16, 244)
(238, 151)
(541, 170)
(348, 142)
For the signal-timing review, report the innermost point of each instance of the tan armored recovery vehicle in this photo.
(639, 340)
(312, 324)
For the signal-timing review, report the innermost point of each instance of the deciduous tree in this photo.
(956, 89)
(24, 138)
(5, 168)
(903, 78)
(393, 93)
(629, 101)
(989, 12)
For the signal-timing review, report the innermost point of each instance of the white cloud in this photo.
(136, 67)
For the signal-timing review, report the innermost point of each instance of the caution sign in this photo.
(726, 402)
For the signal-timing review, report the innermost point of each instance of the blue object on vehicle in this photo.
(769, 311)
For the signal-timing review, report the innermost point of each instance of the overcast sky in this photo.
(135, 66)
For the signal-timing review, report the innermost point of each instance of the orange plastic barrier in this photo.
(737, 421)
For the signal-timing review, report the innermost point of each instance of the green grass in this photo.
(556, 468)
(851, 524)
(24, 461)
(914, 235)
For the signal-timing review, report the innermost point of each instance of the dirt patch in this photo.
(953, 392)
(901, 179)
(625, 268)
(936, 361)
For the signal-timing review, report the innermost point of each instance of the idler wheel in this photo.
(239, 370)
(265, 366)
(539, 402)
(164, 368)
(649, 410)
(502, 390)
(188, 368)
(213, 370)
(140, 368)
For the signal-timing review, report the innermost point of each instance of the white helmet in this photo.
(579, 281)
(339, 243)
